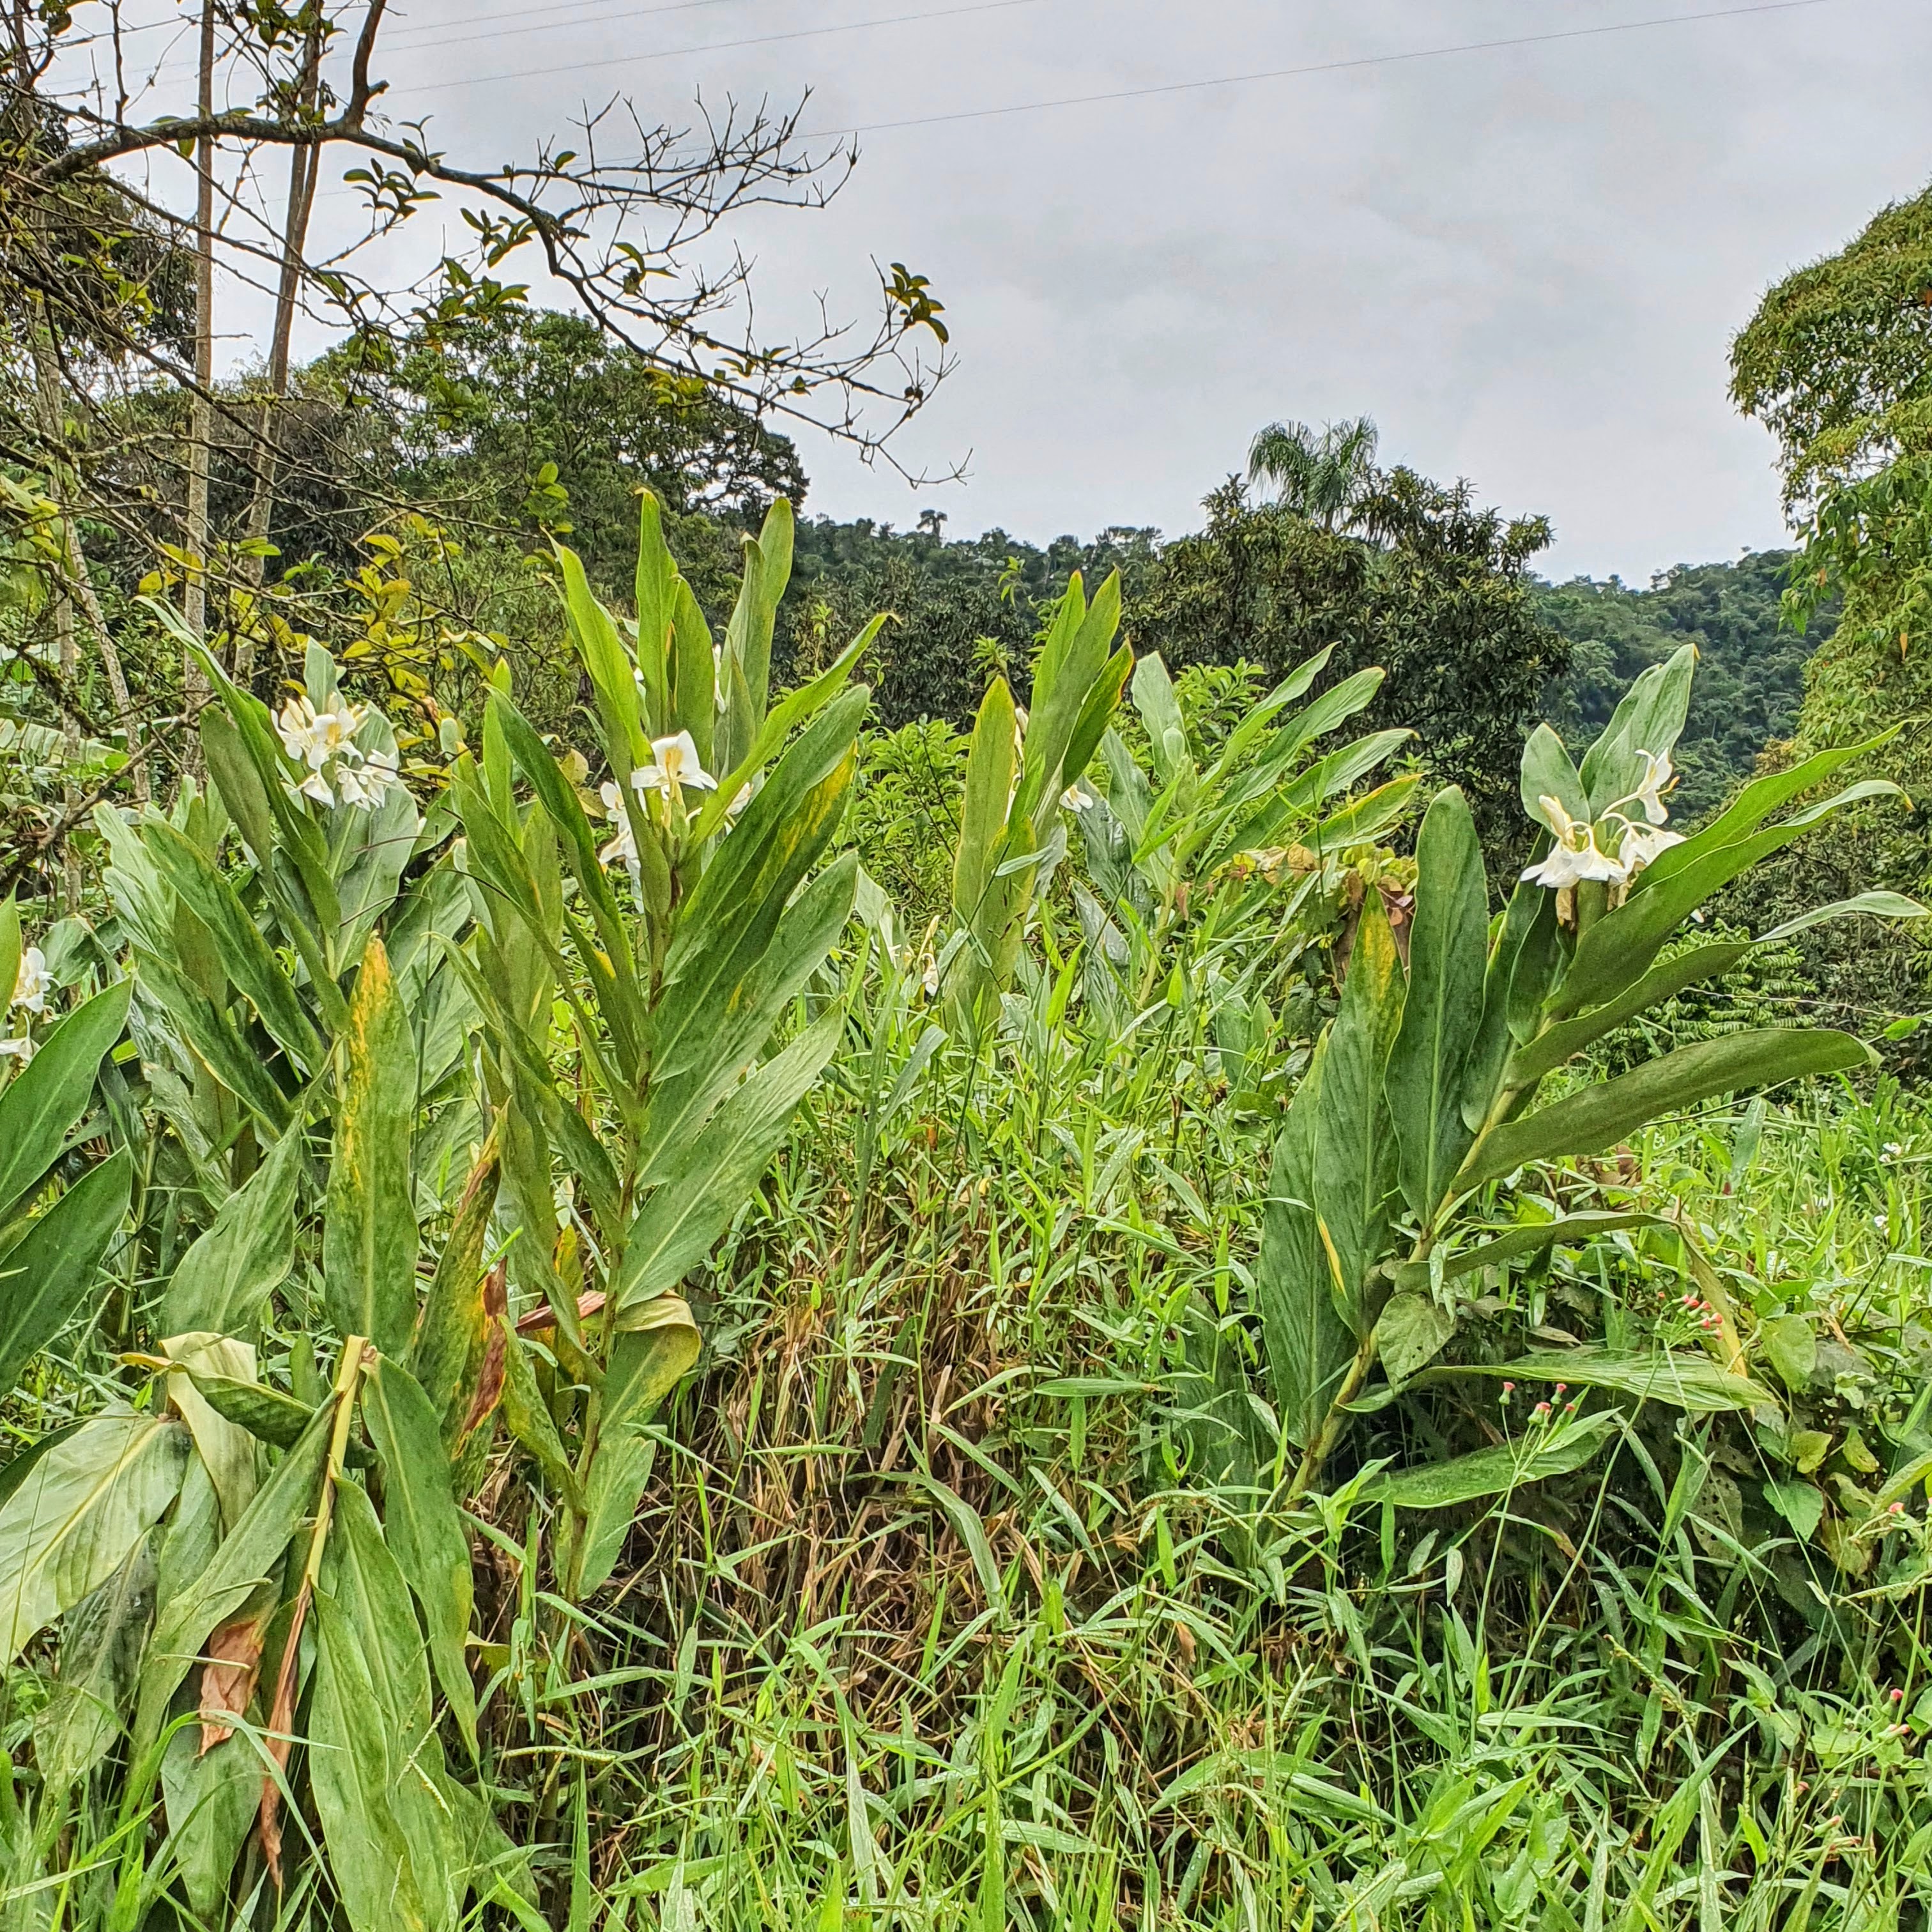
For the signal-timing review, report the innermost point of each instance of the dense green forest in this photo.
(716, 1221)
(1750, 672)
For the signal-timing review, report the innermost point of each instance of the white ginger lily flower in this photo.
(32, 982)
(1077, 798)
(1576, 856)
(673, 766)
(1658, 777)
(1641, 843)
(365, 783)
(623, 846)
(313, 737)
(21, 1049)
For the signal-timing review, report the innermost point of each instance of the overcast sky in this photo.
(1526, 263)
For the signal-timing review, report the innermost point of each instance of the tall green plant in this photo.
(1013, 833)
(721, 804)
(1424, 1091)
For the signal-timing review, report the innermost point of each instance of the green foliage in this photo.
(1015, 1427)
(1436, 593)
(1750, 662)
(1834, 362)
(1837, 361)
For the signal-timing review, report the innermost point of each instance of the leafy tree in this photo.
(1441, 598)
(1838, 363)
(1325, 475)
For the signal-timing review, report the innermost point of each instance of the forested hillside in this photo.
(1750, 672)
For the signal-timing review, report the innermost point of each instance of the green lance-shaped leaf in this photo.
(374, 1764)
(1548, 772)
(697, 1188)
(1354, 1146)
(1751, 807)
(1594, 1120)
(700, 1063)
(767, 571)
(1307, 1344)
(992, 764)
(1494, 1472)
(796, 709)
(239, 782)
(609, 964)
(369, 1232)
(1160, 712)
(527, 1417)
(693, 675)
(1517, 1244)
(212, 1797)
(453, 1331)
(268, 1414)
(211, 1037)
(648, 1360)
(9, 947)
(655, 589)
(43, 1102)
(82, 1506)
(1448, 952)
(423, 1527)
(1690, 1380)
(1528, 922)
(247, 1557)
(52, 1271)
(1369, 818)
(1548, 1050)
(1650, 720)
(246, 956)
(595, 634)
(222, 1283)
(100, 1643)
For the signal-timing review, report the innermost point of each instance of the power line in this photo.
(428, 28)
(723, 46)
(430, 38)
(664, 53)
(1313, 68)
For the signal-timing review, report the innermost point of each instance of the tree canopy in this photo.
(1837, 362)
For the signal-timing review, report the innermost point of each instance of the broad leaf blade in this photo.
(1354, 1146)
(369, 1233)
(1448, 952)
(42, 1103)
(247, 1557)
(1307, 1345)
(1494, 1472)
(423, 1527)
(700, 1189)
(221, 1283)
(1690, 1381)
(1594, 1120)
(84, 1503)
(48, 1275)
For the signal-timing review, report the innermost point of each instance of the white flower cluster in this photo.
(674, 769)
(1580, 852)
(338, 768)
(32, 985)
